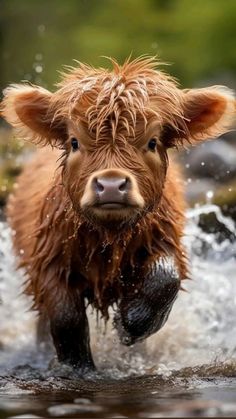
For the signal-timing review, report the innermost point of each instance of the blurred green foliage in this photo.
(38, 36)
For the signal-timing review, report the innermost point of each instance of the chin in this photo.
(111, 216)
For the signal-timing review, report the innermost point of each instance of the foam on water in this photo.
(201, 328)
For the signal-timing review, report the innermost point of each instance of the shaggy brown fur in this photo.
(113, 114)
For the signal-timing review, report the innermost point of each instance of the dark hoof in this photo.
(137, 322)
(145, 313)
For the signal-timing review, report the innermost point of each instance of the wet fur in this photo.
(57, 240)
(69, 253)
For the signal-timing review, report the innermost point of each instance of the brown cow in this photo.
(98, 216)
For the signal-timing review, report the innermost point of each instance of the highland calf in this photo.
(98, 216)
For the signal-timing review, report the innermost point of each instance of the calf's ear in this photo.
(207, 113)
(28, 110)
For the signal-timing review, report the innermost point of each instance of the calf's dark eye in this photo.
(74, 144)
(152, 144)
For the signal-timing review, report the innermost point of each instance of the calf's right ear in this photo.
(207, 113)
(28, 110)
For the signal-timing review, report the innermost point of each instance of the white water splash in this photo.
(201, 328)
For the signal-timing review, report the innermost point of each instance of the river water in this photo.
(188, 369)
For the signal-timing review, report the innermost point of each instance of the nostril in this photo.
(99, 186)
(111, 188)
(123, 185)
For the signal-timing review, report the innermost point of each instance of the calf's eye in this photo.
(74, 144)
(152, 144)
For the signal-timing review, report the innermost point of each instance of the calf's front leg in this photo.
(70, 331)
(143, 313)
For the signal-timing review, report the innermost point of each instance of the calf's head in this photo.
(115, 128)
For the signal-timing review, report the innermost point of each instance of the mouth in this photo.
(111, 214)
(112, 205)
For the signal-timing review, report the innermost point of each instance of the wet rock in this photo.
(211, 224)
(214, 159)
(215, 239)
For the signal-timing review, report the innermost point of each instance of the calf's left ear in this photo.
(27, 108)
(207, 113)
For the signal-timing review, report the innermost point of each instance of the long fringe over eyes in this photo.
(119, 103)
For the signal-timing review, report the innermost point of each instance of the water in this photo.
(187, 369)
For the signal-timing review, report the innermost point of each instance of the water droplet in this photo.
(38, 56)
(209, 195)
(38, 68)
(41, 29)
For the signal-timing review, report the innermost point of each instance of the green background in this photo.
(197, 37)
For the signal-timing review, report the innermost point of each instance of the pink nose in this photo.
(111, 189)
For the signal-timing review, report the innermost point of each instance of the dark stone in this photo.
(212, 159)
